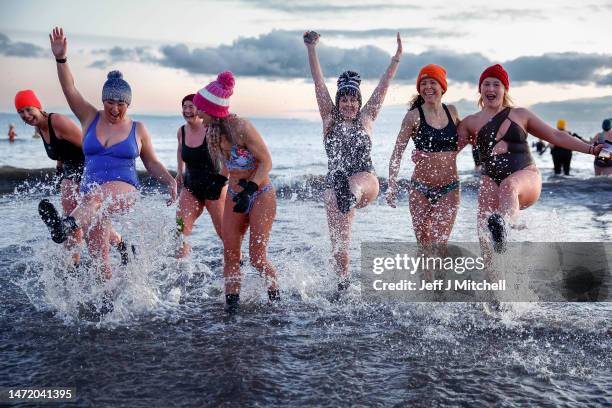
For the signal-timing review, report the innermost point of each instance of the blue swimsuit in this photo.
(114, 163)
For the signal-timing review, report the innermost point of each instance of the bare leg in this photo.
(234, 227)
(216, 209)
(188, 211)
(69, 193)
(261, 218)
(340, 233)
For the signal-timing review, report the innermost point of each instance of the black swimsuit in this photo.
(201, 179)
(348, 151)
(431, 140)
(71, 156)
(518, 156)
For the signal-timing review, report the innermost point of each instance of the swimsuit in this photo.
(434, 194)
(114, 163)
(71, 156)
(431, 140)
(242, 159)
(201, 178)
(252, 199)
(500, 166)
(348, 151)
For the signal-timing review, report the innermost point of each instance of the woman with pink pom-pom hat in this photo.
(234, 143)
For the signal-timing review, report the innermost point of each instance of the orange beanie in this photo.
(26, 98)
(433, 71)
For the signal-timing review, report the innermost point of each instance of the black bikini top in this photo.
(515, 136)
(431, 140)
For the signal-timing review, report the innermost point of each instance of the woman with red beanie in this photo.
(347, 129)
(111, 144)
(204, 187)
(510, 181)
(234, 143)
(434, 194)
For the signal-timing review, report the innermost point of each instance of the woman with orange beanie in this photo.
(434, 194)
(510, 181)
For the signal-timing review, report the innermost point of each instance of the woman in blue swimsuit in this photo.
(110, 168)
(235, 144)
(434, 194)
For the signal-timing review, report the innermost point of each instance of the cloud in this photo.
(493, 14)
(281, 54)
(568, 67)
(20, 49)
(120, 54)
(327, 6)
(576, 110)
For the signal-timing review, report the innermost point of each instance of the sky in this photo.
(555, 51)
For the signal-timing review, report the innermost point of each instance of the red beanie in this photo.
(495, 71)
(433, 71)
(26, 98)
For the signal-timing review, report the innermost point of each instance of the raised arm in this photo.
(256, 145)
(152, 164)
(324, 100)
(540, 129)
(83, 110)
(372, 107)
(406, 132)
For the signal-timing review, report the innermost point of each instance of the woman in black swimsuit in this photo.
(203, 186)
(346, 134)
(434, 193)
(510, 181)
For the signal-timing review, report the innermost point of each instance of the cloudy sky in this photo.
(555, 51)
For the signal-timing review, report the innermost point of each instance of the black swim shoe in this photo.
(59, 228)
(344, 197)
(231, 302)
(122, 247)
(497, 226)
(274, 295)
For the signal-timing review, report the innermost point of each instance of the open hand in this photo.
(59, 45)
(399, 51)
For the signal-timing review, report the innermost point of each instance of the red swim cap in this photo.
(495, 71)
(26, 98)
